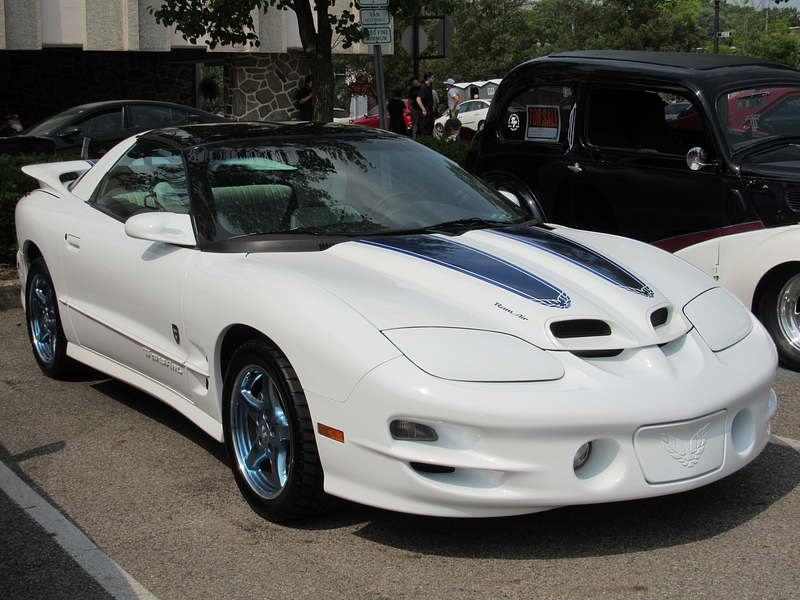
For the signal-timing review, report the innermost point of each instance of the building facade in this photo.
(59, 53)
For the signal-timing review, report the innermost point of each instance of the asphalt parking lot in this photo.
(107, 493)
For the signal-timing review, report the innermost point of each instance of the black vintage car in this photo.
(592, 140)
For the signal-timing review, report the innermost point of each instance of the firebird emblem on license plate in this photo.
(686, 453)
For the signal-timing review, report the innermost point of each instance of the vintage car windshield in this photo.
(752, 116)
(342, 186)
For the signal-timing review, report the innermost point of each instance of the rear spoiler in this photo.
(49, 174)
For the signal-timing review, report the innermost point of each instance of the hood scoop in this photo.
(580, 328)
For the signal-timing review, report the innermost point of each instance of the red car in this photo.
(373, 119)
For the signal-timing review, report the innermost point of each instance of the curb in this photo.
(9, 295)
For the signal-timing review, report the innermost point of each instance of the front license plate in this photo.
(678, 451)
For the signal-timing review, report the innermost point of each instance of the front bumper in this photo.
(661, 420)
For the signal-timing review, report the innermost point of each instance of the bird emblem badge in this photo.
(686, 452)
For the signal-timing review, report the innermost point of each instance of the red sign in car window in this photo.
(544, 124)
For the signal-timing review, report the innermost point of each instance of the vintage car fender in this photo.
(746, 258)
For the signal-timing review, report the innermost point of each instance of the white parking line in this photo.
(99, 566)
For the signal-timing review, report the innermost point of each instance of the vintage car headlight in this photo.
(719, 318)
(474, 355)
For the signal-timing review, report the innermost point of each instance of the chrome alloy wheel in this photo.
(788, 315)
(43, 320)
(260, 432)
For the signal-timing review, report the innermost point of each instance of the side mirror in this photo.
(696, 159)
(164, 227)
(70, 132)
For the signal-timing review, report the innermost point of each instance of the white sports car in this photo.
(354, 316)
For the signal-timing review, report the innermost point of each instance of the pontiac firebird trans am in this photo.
(356, 317)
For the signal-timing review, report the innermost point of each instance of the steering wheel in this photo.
(151, 197)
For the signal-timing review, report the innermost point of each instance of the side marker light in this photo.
(329, 432)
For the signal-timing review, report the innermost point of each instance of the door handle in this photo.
(576, 168)
(73, 242)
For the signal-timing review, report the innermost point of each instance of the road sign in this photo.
(408, 39)
(724, 34)
(374, 16)
(372, 3)
(378, 35)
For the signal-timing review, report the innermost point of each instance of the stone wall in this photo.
(39, 83)
(262, 87)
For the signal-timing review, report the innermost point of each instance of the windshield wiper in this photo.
(469, 224)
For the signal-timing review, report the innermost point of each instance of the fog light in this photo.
(582, 455)
(409, 430)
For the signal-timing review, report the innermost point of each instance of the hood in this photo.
(550, 288)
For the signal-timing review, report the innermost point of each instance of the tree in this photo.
(231, 22)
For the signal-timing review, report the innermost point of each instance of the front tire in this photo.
(269, 436)
(779, 310)
(46, 334)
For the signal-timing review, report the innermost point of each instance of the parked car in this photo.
(355, 316)
(89, 130)
(676, 109)
(582, 136)
(340, 115)
(472, 114)
(373, 117)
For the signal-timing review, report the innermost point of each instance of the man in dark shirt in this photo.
(425, 102)
(305, 100)
(416, 113)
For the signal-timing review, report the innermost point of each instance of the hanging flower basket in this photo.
(359, 84)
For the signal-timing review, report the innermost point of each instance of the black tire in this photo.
(438, 130)
(48, 342)
(480, 125)
(779, 310)
(270, 440)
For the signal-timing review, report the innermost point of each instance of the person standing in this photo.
(453, 98)
(425, 102)
(416, 113)
(305, 99)
(396, 109)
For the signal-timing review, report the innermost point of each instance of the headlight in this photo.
(474, 355)
(719, 318)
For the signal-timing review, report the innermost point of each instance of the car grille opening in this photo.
(610, 353)
(793, 200)
(659, 317)
(578, 328)
(426, 468)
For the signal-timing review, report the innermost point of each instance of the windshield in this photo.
(755, 115)
(51, 124)
(342, 186)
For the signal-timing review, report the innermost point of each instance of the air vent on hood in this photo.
(793, 200)
(659, 317)
(577, 328)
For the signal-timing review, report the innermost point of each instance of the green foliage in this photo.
(455, 151)
(14, 184)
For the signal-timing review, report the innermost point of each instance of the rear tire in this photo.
(269, 436)
(48, 342)
(779, 310)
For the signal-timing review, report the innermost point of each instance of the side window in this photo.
(148, 178)
(650, 122)
(540, 114)
(103, 123)
(147, 116)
